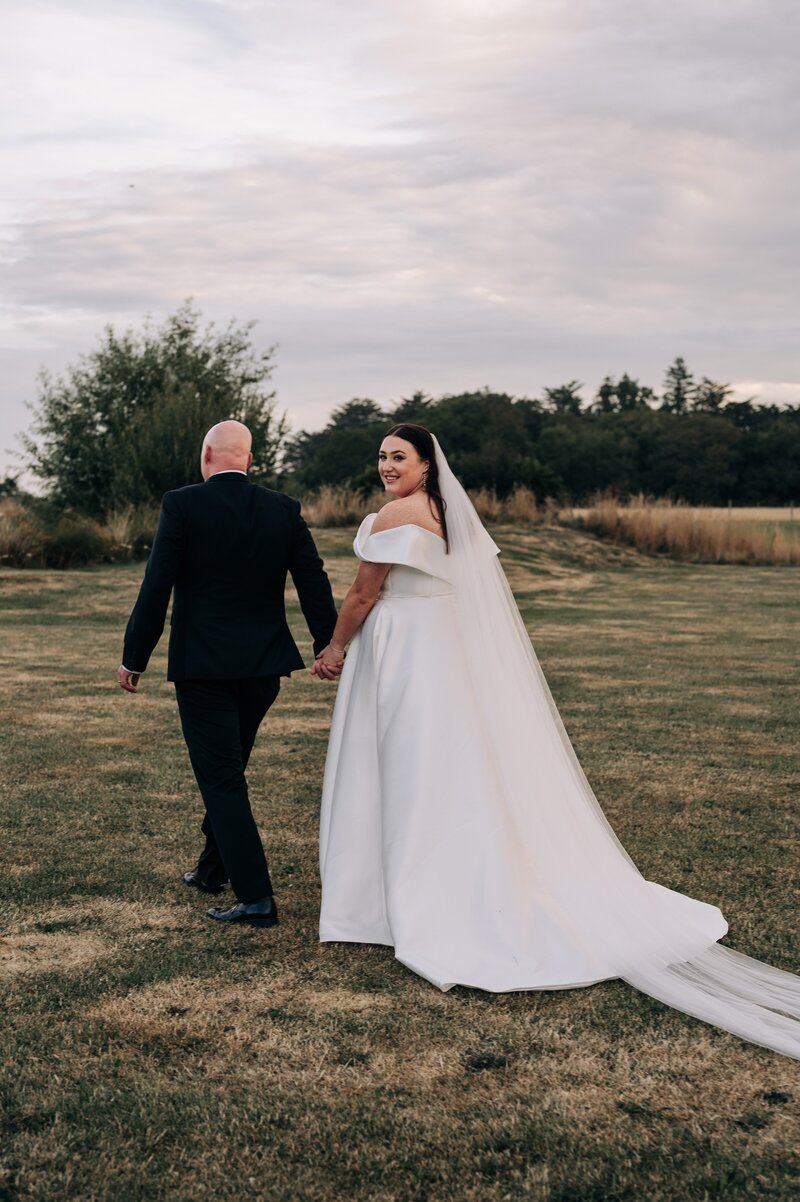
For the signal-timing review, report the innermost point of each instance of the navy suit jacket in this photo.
(224, 549)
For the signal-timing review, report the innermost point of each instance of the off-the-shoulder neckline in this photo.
(414, 525)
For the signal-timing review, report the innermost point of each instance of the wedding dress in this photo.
(458, 827)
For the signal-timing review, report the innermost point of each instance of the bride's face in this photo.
(400, 466)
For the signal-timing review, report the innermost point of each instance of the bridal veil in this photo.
(573, 854)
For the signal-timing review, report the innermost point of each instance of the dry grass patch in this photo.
(744, 709)
(35, 952)
(297, 725)
(176, 1061)
(64, 938)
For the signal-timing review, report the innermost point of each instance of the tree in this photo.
(679, 387)
(770, 471)
(633, 395)
(605, 399)
(126, 424)
(696, 458)
(415, 408)
(484, 437)
(565, 398)
(711, 397)
(344, 453)
(712, 451)
(621, 396)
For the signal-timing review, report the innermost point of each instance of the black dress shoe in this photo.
(193, 880)
(262, 913)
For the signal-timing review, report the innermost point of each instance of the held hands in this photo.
(127, 680)
(329, 663)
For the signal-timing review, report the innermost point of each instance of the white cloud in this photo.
(434, 194)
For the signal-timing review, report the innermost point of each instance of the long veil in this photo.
(659, 945)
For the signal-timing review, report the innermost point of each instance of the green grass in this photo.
(150, 1055)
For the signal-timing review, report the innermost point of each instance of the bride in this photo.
(457, 825)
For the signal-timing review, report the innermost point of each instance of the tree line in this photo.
(125, 424)
(693, 443)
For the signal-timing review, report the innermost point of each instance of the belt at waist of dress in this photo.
(444, 595)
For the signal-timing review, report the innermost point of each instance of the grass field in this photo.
(150, 1055)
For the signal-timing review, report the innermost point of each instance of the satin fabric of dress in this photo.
(417, 850)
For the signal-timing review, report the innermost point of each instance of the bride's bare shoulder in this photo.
(402, 511)
(394, 513)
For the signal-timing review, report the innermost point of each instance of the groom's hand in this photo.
(328, 665)
(127, 680)
(326, 671)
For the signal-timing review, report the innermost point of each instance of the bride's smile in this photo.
(401, 468)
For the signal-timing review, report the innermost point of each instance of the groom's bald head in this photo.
(226, 448)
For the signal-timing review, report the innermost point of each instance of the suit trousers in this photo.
(220, 719)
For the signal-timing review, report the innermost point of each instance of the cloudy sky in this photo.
(435, 194)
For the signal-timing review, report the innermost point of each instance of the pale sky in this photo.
(434, 194)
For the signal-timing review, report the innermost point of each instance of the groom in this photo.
(225, 547)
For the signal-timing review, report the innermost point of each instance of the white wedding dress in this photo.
(458, 828)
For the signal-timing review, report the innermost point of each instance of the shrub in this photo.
(37, 536)
(74, 541)
(21, 536)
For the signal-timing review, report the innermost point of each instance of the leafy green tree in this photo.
(679, 388)
(345, 452)
(126, 424)
(713, 450)
(416, 408)
(747, 415)
(711, 397)
(770, 467)
(605, 399)
(633, 395)
(484, 437)
(696, 457)
(621, 396)
(533, 416)
(587, 452)
(565, 398)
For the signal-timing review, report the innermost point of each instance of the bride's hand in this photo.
(329, 663)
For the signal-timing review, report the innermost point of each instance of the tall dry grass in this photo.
(689, 533)
(31, 537)
(20, 535)
(36, 538)
(738, 513)
(332, 507)
(39, 539)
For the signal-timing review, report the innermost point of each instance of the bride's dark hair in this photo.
(422, 441)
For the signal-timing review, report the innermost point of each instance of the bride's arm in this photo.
(361, 596)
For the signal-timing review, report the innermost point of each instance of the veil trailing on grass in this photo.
(658, 940)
